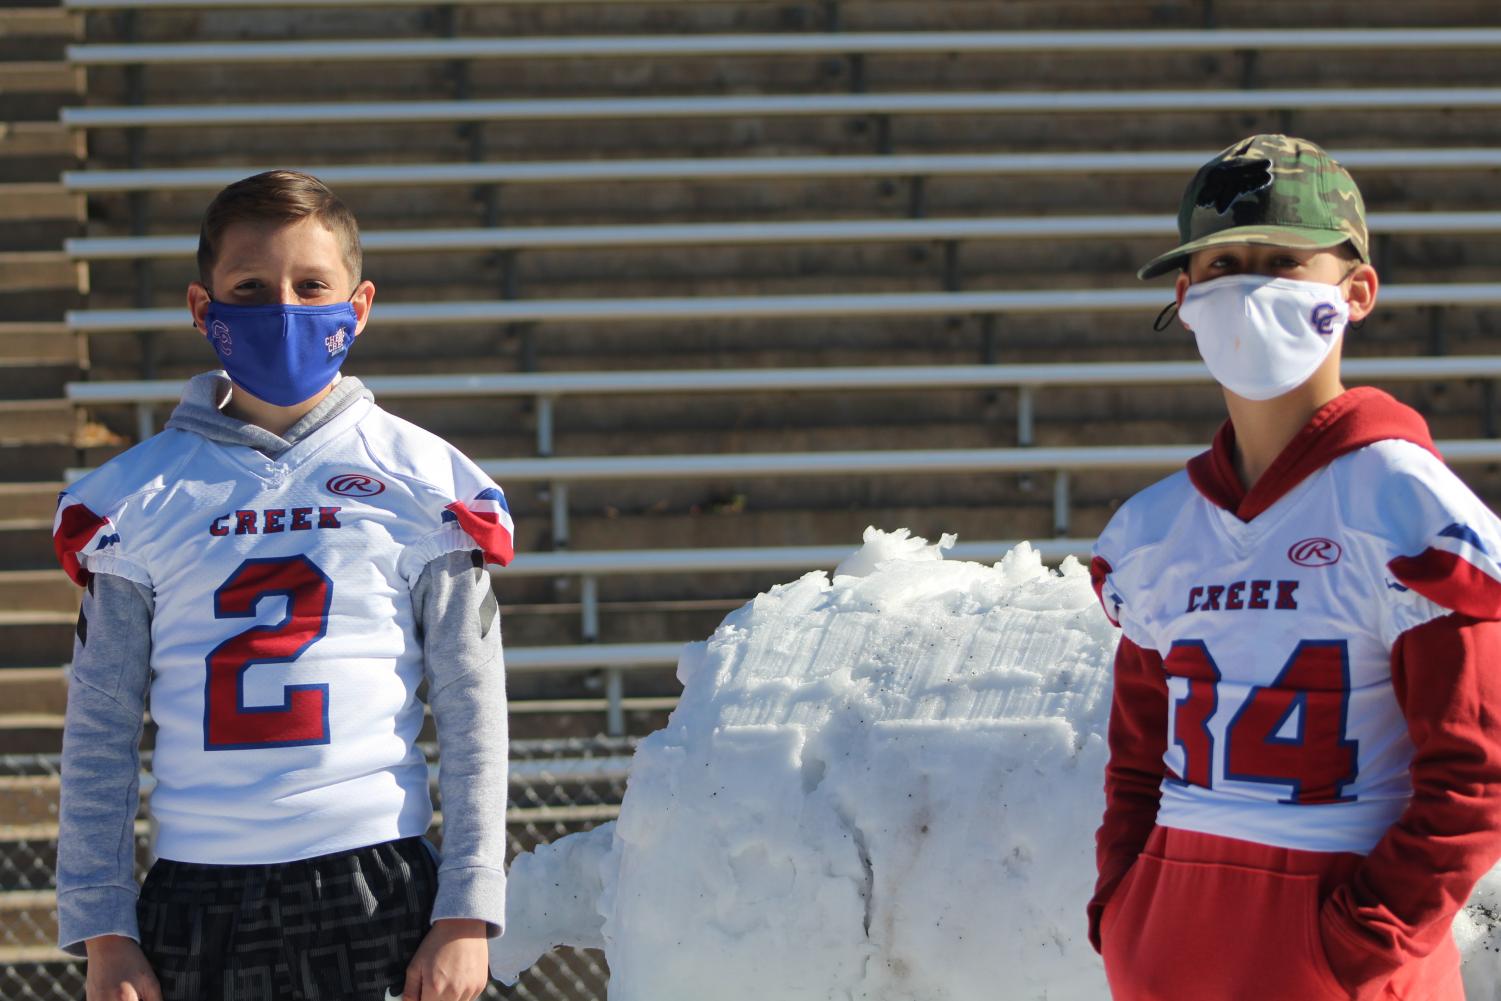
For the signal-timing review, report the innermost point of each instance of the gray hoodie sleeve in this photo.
(96, 885)
(460, 627)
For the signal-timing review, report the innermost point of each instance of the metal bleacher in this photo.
(866, 99)
(710, 286)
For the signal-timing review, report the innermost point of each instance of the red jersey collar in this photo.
(1354, 419)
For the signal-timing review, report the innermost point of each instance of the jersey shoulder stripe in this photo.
(458, 490)
(89, 511)
(1439, 539)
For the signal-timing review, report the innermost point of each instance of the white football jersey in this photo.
(285, 663)
(1276, 637)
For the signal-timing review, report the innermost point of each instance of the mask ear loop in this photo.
(1165, 317)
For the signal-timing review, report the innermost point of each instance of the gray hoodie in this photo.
(458, 622)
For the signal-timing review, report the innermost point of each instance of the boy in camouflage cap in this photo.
(1304, 782)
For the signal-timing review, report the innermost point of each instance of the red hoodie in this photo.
(1402, 898)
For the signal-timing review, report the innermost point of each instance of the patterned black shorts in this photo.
(339, 927)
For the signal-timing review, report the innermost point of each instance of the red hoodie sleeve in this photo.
(1401, 901)
(1133, 777)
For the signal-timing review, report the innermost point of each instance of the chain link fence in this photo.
(557, 787)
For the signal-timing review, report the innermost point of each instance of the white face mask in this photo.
(1264, 336)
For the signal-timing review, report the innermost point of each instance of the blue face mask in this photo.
(281, 354)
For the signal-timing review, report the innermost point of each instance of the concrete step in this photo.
(37, 422)
(29, 918)
(52, 77)
(19, 22)
(37, 379)
(41, 140)
(28, 638)
(31, 270)
(27, 543)
(45, 590)
(27, 202)
(30, 150)
(33, 690)
(27, 801)
(39, 215)
(31, 503)
(33, 460)
(30, 733)
(26, 342)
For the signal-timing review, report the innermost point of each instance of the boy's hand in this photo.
(451, 964)
(119, 971)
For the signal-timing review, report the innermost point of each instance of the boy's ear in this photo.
(1180, 289)
(198, 304)
(362, 299)
(1364, 286)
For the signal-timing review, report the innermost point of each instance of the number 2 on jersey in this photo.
(1289, 733)
(302, 718)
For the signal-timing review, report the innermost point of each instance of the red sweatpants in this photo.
(1204, 918)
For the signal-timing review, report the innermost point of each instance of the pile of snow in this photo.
(881, 786)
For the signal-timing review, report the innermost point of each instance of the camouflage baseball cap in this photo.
(1272, 190)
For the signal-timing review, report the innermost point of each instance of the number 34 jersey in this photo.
(285, 659)
(1275, 618)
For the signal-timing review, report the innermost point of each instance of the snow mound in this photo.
(882, 786)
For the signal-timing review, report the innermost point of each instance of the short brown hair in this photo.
(277, 196)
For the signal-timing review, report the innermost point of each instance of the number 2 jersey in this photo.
(285, 661)
(1276, 615)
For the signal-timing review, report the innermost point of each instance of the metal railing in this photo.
(263, 4)
(800, 43)
(557, 787)
(546, 388)
(730, 233)
(783, 106)
(892, 165)
(764, 307)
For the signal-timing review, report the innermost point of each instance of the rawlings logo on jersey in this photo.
(354, 485)
(1315, 552)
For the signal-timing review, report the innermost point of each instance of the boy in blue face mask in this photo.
(279, 571)
(1304, 781)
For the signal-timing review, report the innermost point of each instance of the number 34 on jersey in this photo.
(1289, 736)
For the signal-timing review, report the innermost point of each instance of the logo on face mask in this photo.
(218, 331)
(1323, 317)
(335, 342)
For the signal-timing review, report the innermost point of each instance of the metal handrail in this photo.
(749, 168)
(780, 105)
(875, 304)
(753, 380)
(809, 43)
(731, 233)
